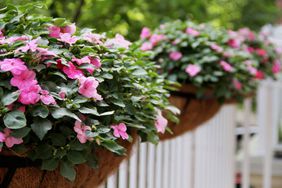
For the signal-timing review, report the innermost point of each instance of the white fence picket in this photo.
(195, 160)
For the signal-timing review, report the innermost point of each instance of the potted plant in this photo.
(73, 102)
(209, 66)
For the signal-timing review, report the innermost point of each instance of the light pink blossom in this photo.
(226, 66)
(81, 61)
(67, 38)
(16, 38)
(93, 38)
(160, 123)
(14, 65)
(30, 45)
(117, 42)
(193, 32)
(24, 80)
(145, 33)
(9, 140)
(146, 46)
(81, 129)
(120, 131)
(88, 88)
(252, 70)
(46, 98)
(72, 71)
(193, 70)
(155, 39)
(216, 48)
(69, 29)
(175, 56)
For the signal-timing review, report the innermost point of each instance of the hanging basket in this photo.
(194, 112)
(26, 176)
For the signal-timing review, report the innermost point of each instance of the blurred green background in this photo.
(129, 16)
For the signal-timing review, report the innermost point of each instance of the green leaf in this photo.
(10, 98)
(76, 157)
(62, 112)
(15, 120)
(139, 72)
(50, 164)
(40, 110)
(67, 170)
(107, 113)
(113, 147)
(20, 133)
(92, 111)
(41, 126)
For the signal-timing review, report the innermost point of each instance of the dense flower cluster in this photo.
(65, 92)
(228, 63)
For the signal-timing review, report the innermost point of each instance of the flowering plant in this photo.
(205, 57)
(264, 52)
(66, 92)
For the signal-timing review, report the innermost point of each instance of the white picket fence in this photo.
(200, 159)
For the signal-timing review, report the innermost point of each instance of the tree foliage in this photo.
(129, 16)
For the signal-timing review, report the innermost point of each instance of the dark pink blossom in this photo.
(193, 70)
(24, 80)
(30, 95)
(72, 71)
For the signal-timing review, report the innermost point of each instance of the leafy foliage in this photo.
(228, 63)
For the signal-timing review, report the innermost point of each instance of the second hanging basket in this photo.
(194, 112)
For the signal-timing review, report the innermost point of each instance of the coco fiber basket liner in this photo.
(194, 112)
(18, 172)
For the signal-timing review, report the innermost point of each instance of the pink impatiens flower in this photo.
(155, 39)
(117, 42)
(67, 38)
(259, 75)
(23, 80)
(252, 70)
(193, 32)
(261, 52)
(276, 68)
(226, 66)
(146, 46)
(15, 65)
(93, 38)
(30, 95)
(54, 31)
(216, 48)
(88, 88)
(145, 33)
(120, 131)
(237, 85)
(175, 56)
(81, 129)
(69, 29)
(72, 71)
(234, 43)
(193, 70)
(10, 141)
(30, 45)
(46, 98)
(161, 122)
